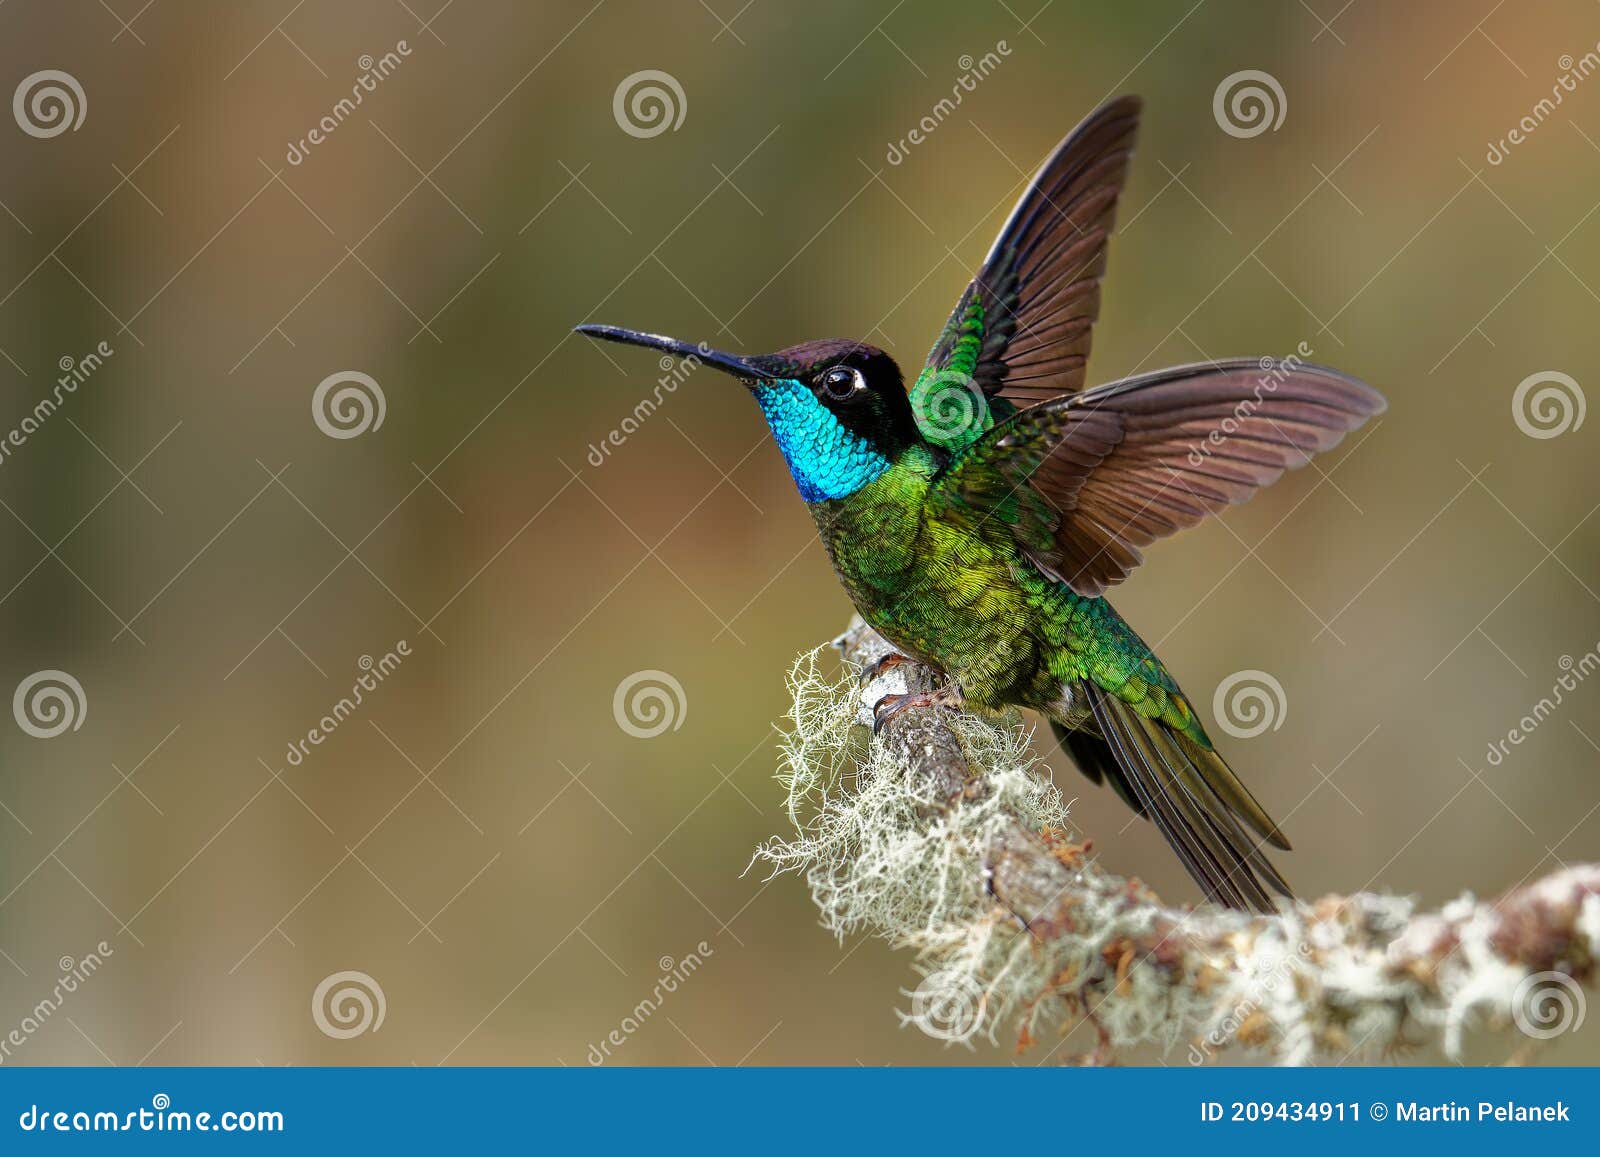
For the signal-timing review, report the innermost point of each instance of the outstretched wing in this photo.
(1022, 329)
(1085, 481)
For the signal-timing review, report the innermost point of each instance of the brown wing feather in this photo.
(1038, 289)
(1128, 463)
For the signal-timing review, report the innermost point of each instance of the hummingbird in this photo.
(977, 520)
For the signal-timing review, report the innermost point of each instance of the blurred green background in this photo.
(481, 837)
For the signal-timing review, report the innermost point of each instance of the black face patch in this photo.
(859, 383)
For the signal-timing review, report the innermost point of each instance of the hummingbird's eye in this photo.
(842, 382)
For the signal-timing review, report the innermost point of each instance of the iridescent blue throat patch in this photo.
(827, 460)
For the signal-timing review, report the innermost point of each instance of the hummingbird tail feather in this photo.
(1148, 763)
(1093, 756)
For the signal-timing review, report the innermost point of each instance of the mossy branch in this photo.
(943, 837)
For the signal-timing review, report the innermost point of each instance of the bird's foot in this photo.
(890, 706)
(884, 665)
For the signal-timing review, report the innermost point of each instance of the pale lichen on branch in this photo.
(945, 837)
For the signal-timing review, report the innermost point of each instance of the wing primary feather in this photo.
(1039, 284)
(1115, 468)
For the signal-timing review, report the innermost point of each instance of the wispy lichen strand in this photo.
(884, 854)
(945, 837)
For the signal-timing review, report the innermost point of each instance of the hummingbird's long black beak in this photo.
(729, 363)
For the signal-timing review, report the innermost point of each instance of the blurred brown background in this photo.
(481, 837)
